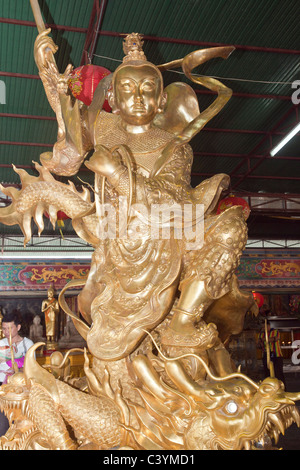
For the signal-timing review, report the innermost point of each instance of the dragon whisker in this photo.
(209, 373)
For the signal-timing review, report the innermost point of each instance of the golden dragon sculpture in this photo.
(229, 413)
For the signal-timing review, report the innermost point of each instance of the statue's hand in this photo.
(44, 48)
(104, 163)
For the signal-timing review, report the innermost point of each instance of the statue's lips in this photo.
(138, 109)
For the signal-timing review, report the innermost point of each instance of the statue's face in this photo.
(137, 93)
(50, 294)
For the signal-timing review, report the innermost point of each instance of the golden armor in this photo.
(156, 308)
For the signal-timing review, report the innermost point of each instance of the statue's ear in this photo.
(163, 102)
(111, 101)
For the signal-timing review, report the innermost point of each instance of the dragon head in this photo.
(14, 396)
(240, 415)
(226, 413)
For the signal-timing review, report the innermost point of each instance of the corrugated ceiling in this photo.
(260, 72)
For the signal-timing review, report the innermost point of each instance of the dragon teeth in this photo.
(296, 416)
(278, 423)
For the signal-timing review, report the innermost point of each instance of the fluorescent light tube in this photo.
(285, 140)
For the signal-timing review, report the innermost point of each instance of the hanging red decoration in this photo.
(84, 81)
(259, 299)
(61, 216)
(234, 201)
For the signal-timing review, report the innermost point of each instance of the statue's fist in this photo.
(103, 162)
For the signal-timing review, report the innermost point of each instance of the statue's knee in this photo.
(229, 230)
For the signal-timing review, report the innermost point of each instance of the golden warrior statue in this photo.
(141, 152)
(157, 310)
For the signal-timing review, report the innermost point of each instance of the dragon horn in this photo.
(294, 396)
(34, 373)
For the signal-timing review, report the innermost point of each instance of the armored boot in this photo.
(186, 329)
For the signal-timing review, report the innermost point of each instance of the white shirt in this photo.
(20, 350)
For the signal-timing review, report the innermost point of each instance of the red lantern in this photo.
(259, 299)
(234, 201)
(84, 82)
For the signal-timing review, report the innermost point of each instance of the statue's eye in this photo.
(148, 85)
(267, 389)
(231, 407)
(126, 85)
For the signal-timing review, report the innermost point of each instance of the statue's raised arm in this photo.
(71, 143)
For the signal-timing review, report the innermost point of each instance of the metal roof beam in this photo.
(249, 95)
(297, 178)
(28, 116)
(92, 34)
(19, 75)
(243, 47)
(263, 140)
(190, 42)
(89, 34)
(52, 26)
(242, 155)
(27, 144)
(239, 131)
(286, 196)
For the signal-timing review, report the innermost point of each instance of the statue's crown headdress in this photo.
(51, 288)
(133, 47)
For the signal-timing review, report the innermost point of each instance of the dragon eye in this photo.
(231, 407)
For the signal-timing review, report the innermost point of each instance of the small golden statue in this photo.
(50, 308)
(157, 307)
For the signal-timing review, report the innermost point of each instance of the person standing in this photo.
(14, 343)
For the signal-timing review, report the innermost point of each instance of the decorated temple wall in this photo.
(24, 285)
(26, 276)
(274, 273)
(258, 270)
(270, 270)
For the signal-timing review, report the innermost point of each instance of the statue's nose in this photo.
(138, 98)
